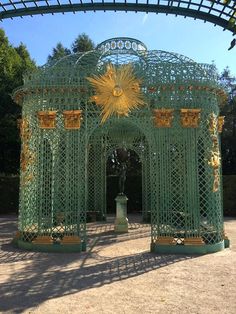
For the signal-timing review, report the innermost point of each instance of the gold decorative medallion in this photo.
(163, 117)
(221, 121)
(117, 91)
(190, 117)
(47, 119)
(72, 119)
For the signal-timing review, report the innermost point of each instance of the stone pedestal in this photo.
(121, 222)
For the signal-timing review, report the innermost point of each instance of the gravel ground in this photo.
(116, 275)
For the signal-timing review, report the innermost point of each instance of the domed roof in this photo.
(158, 70)
(119, 51)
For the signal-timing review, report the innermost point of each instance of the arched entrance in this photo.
(133, 182)
(103, 173)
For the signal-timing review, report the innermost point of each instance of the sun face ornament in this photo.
(117, 91)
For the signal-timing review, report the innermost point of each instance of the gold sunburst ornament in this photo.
(117, 91)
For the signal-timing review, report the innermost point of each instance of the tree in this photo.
(14, 62)
(228, 145)
(27, 64)
(59, 52)
(82, 44)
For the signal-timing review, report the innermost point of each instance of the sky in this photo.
(195, 39)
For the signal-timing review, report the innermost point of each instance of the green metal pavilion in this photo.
(176, 135)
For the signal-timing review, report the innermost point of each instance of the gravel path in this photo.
(116, 275)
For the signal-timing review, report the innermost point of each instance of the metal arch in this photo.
(214, 11)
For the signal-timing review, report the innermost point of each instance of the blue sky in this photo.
(195, 39)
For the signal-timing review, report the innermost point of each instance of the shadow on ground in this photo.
(48, 276)
(43, 276)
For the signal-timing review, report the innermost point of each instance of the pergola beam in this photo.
(214, 12)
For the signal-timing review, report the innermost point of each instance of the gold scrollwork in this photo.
(216, 182)
(25, 132)
(190, 117)
(27, 157)
(221, 121)
(215, 162)
(47, 119)
(72, 119)
(27, 178)
(213, 123)
(163, 117)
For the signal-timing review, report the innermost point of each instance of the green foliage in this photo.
(229, 131)
(82, 44)
(14, 62)
(58, 52)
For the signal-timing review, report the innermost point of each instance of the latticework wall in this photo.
(176, 136)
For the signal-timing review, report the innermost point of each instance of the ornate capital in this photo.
(221, 121)
(47, 119)
(190, 117)
(163, 117)
(72, 119)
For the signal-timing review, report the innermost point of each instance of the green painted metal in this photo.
(67, 176)
(182, 249)
(218, 12)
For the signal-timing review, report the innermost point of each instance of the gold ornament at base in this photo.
(71, 240)
(43, 240)
(165, 240)
(17, 235)
(194, 241)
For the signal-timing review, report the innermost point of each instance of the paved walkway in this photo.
(117, 274)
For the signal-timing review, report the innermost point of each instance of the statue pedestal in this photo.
(121, 222)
